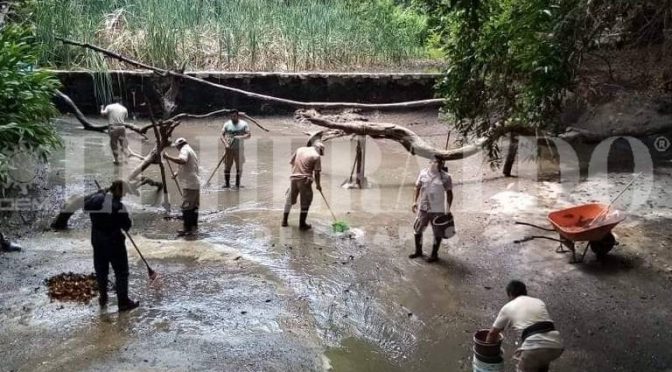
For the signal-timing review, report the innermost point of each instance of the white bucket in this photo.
(487, 367)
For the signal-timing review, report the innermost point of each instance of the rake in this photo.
(151, 273)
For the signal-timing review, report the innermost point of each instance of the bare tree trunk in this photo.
(358, 167)
(510, 155)
(361, 161)
(159, 140)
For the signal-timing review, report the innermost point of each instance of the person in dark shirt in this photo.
(108, 218)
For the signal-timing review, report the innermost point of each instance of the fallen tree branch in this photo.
(573, 134)
(214, 113)
(89, 125)
(407, 138)
(245, 116)
(436, 102)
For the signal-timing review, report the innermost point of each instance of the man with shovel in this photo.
(306, 167)
(108, 218)
(187, 174)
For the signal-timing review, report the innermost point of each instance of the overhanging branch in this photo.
(407, 138)
(262, 97)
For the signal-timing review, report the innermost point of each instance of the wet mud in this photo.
(249, 295)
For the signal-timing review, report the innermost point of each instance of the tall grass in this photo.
(279, 35)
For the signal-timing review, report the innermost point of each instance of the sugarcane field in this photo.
(297, 185)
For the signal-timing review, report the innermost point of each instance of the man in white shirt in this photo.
(187, 174)
(434, 187)
(541, 342)
(116, 117)
(234, 132)
(306, 167)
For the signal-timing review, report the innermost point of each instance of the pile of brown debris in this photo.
(72, 287)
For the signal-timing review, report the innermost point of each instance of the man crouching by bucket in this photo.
(434, 187)
(540, 341)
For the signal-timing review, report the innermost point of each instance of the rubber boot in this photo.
(102, 299)
(227, 180)
(435, 250)
(302, 221)
(61, 221)
(238, 180)
(194, 223)
(102, 290)
(124, 303)
(418, 247)
(285, 218)
(7, 246)
(186, 223)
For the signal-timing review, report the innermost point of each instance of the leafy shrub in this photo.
(510, 62)
(25, 98)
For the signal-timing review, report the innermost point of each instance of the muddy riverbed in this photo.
(249, 295)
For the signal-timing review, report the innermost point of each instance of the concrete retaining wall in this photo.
(198, 98)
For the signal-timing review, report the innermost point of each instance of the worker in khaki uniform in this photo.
(540, 341)
(434, 188)
(187, 175)
(116, 118)
(234, 132)
(306, 167)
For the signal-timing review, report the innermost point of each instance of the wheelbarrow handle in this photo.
(532, 237)
(533, 225)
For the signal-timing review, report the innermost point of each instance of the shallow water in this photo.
(251, 295)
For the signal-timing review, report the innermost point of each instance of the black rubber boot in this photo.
(128, 305)
(102, 290)
(238, 180)
(418, 247)
(302, 221)
(61, 221)
(7, 246)
(102, 299)
(435, 250)
(227, 180)
(194, 221)
(101, 280)
(285, 218)
(123, 302)
(186, 223)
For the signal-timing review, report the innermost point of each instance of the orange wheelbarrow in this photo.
(591, 223)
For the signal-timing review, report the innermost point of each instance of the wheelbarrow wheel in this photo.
(603, 246)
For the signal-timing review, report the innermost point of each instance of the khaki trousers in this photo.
(299, 187)
(536, 360)
(117, 139)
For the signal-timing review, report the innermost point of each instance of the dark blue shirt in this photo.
(108, 216)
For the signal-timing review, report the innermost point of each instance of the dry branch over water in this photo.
(436, 102)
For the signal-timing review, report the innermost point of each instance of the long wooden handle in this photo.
(215, 170)
(172, 175)
(605, 210)
(136, 248)
(328, 207)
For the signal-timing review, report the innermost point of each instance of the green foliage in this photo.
(25, 98)
(235, 34)
(340, 226)
(510, 62)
